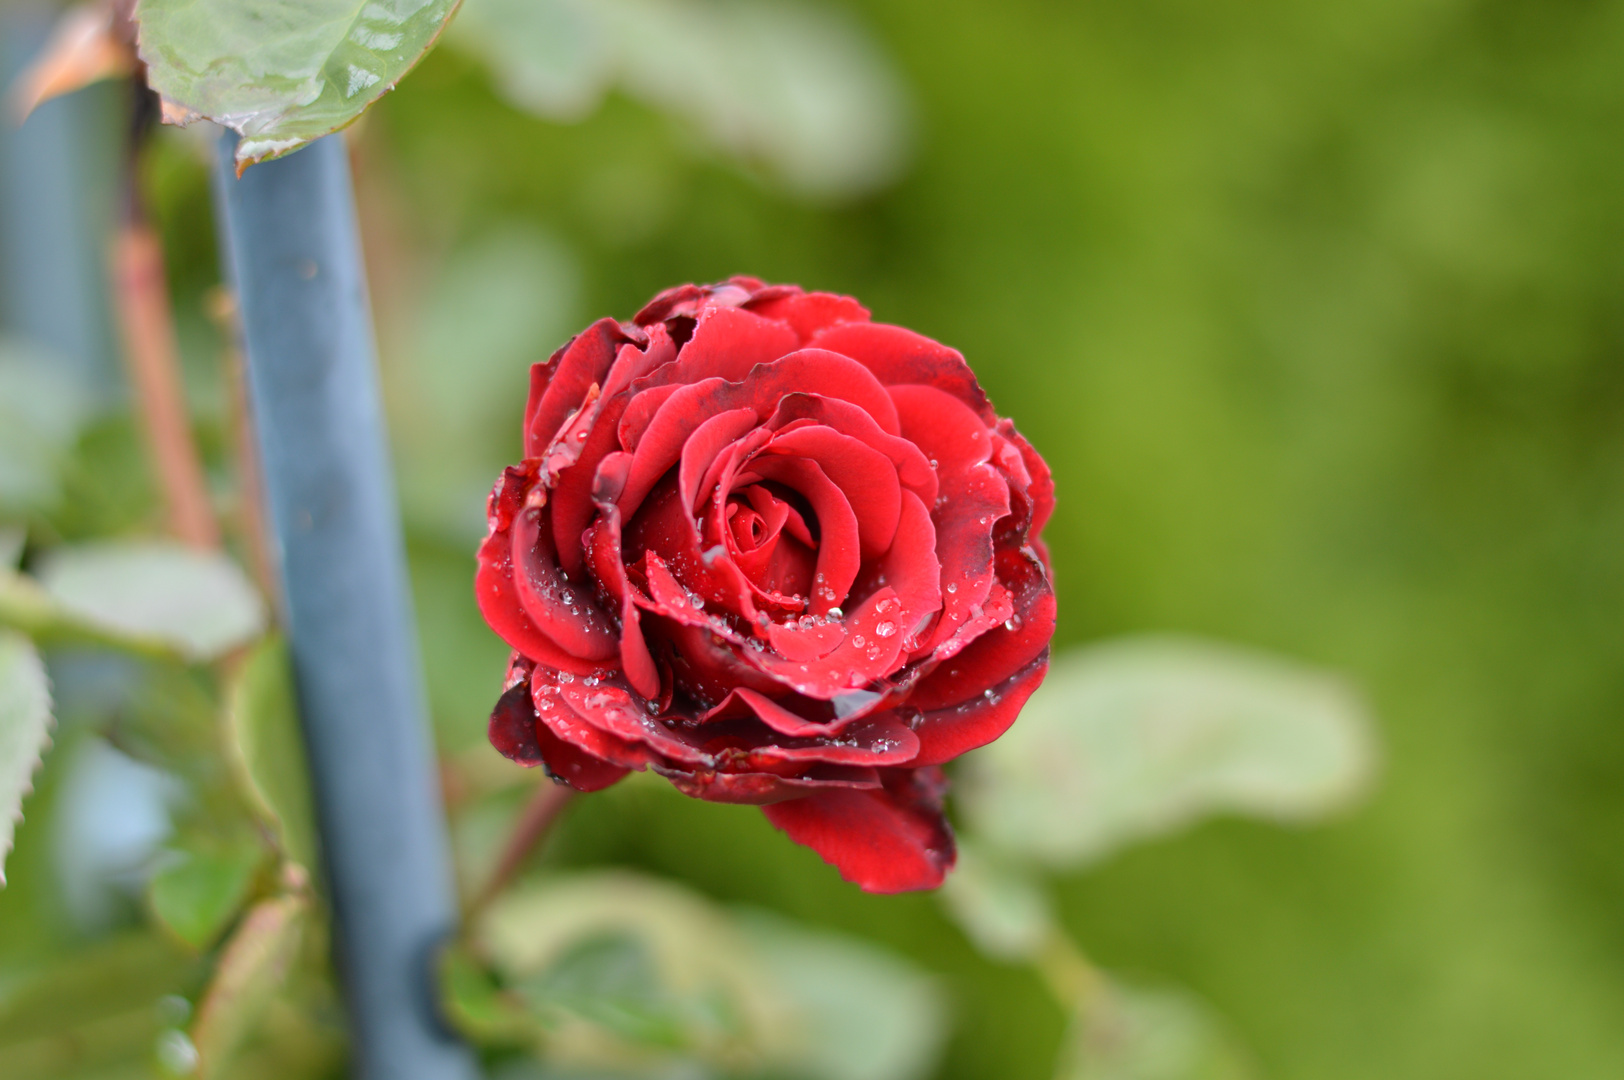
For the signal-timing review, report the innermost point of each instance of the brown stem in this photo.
(221, 308)
(533, 825)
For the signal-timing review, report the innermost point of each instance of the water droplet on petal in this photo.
(836, 613)
(885, 629)
(952, 588)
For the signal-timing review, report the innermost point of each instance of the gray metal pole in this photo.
(292, 250)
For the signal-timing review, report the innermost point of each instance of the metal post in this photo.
(292, 250)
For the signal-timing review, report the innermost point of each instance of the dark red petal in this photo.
(882, 841)
(763, 788)
(913, 470)
(867, 477)
(571, 507)
(763, 386)
(512, 727)
(878, 740)
(569, 764)
(1003, 650)
(899, 356)
(871, 649)
(592, 740)
(728, 342)
(565, 611)
(1040, 490)
(603, 555)
(912, 569)
(613, 710)
(584, 361)
(944, 734)
(974, 496)
(663, 445)
(809, 313)
(839, 541)
(499, 603)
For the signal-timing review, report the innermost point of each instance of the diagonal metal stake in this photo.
(291, 248)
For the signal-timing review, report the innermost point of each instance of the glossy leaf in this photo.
(1127, 1033)
(267, 749)
(254, 965)
(281, 73)
(199, 603)
(25, 730)
(800, 90)
(204, 886)
(1136, 738)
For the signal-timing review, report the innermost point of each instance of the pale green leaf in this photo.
(798, 89)
(1128, 1033)
(282, 72)
(13, 538)
(199, 603)
(1135, 738)
(25, 730)
(253, 967)
(859, 1013)
(203, 886)
(1000, 908)
(266, 749)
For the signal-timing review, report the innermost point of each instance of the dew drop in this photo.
(885, 629)
(1012, 623)
(836, 613)
(858, 640)
(952, 587)
(565, 677)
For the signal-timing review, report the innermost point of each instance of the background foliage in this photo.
(1313, 309)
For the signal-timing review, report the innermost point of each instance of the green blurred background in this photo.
(1316, 311)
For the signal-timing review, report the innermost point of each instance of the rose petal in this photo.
(913, 470)
(727, 343)
(884, 841)
(871, 649)
(867, 477)
(912, 569)
(898, 356)
(589, 738)
(764, 788)
(944, 734)
(839, 539)
(584, 361)
(563, 610)
(498, 599)
(512, 727)
(808, 313)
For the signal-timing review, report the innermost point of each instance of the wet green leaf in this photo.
(25, 730)
(282, 72)
(800, 90)
(255, 963)
(267, 749)
(1136, 738)
(1127, 1033)
(198, 893)
(199, 603)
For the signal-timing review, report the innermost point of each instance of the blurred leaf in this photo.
(1000, 908)
(104, 981)
(615, 971)
(267, 749)
(41, 413)
(618, 968)
(25, 730)
(198, 602)
(801, 90)
(1125, 1033)
(860, 1013)
(252, 968)
(13, 538)
(197, 894)
(1136, 738)
(283, 72)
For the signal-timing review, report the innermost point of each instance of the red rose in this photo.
(778, 554)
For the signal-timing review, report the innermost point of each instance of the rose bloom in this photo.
(777, 553)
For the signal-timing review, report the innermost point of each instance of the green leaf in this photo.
(13, 538)
(198, 893)
(282, 72)
(25, 730)
(1137, 738)
(798, 89)
(619, 972)
(1127, 1033)
(1000, 908)
(255, 963)
(199, 603)
(859, 1013)
(267, 749)
(89, 990)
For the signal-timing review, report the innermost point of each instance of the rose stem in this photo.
(532, 827)
(151, 357)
